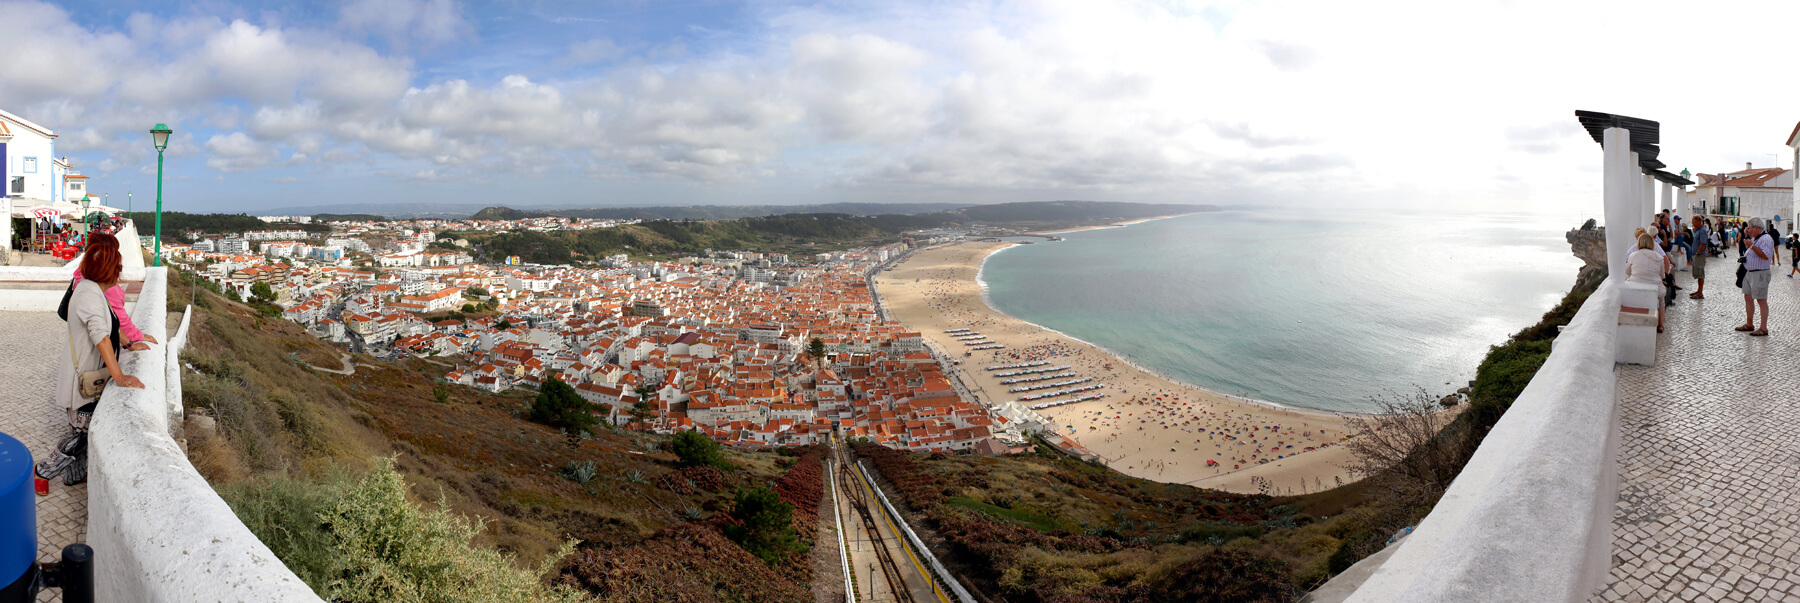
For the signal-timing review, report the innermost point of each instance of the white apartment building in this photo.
(530, 283)
(275, 235)
(348, 244)
(281, 249)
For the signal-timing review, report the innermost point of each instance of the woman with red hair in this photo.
(93, 335)
(115, 296)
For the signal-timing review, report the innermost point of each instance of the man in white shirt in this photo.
(1757, 257)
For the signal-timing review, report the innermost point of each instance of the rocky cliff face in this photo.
(1589, 244)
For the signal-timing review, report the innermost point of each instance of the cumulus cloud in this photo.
(237, 152)
(428, 21)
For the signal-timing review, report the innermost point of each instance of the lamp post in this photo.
(159, 136)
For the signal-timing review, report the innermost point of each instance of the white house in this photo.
(1749, 193)
(27, 168)
(30, 154)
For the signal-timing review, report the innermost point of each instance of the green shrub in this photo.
(285, 514)
(360, 540)
(765, 525)
(1506, 371)
(694, 448)
(557, 405)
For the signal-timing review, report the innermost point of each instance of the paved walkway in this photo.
(32, 344)
(1709, 458)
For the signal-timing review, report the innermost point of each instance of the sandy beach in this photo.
(1147, 426)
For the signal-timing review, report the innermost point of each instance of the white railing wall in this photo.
(1530, 516)
(837, 519)
(159, 531)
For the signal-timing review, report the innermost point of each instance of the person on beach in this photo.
(1646, 266)
(1756, 278)
(1703, 242)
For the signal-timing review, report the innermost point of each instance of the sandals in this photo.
(1759, 333)
(1744, 329)
(1696, 296)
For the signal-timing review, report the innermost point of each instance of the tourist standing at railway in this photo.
(1703, 246)
(1756, 277)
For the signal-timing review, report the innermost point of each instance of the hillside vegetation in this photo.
(790, 232)
(732, 212)
(176, 225)
(316, 463)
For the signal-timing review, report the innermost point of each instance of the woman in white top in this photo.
(1646, 266)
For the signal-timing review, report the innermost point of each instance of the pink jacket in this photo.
(115, 297)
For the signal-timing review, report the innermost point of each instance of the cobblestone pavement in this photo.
(28, 411)
(1709, 455)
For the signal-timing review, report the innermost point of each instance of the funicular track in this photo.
(892, 572)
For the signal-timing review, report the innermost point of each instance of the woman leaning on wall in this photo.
(93, 364)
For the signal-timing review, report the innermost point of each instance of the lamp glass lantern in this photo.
(159, 136)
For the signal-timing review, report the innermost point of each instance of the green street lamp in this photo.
(159, 136)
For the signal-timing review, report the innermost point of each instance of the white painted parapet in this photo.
(1638, 307)
(159, 531)
(1530, 516)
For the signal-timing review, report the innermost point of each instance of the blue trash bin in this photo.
(18, 522)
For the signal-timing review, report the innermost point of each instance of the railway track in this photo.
(890, 569)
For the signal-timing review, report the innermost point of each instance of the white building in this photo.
(1748, 193)
(530, 283)
(28, 175)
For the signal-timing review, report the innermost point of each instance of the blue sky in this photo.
(579, 104)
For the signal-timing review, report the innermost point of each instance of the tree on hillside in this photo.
(503, 325)
(557, 405)
(477, 291)
(694, 448)
(262, 292)
(765, 525)
(817, 349)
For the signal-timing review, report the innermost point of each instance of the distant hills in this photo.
(792, 232)
(930, 214)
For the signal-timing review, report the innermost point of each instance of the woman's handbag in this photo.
(62, 311)
(92, 383)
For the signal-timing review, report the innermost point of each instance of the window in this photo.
(74, 186)
(18, 185)
(30, 165)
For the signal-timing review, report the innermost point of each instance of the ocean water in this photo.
(1299, 308)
